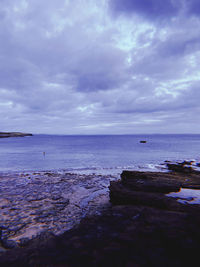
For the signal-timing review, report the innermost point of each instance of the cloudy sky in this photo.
(100, 67)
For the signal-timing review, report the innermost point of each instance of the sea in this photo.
(98, 154)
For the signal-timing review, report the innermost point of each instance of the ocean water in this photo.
(105, 154)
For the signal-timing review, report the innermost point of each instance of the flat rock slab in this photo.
(160, 181)
(152, 189)
(32, 203)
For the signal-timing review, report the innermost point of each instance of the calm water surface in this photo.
(98, 154)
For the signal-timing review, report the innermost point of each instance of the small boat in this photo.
(143, 141)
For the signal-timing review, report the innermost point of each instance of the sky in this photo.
(100, 67)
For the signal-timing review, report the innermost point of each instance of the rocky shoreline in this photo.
(147, 224)
(14, 134)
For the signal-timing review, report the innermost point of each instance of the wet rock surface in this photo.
(31, 203)
(184, 166)
(142, 227)
(151, 189)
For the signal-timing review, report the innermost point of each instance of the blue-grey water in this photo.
(99, 154)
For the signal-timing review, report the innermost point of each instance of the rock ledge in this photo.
(13, 134)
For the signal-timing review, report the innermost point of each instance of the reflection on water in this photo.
(186, 196)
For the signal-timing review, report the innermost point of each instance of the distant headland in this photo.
(13, 134)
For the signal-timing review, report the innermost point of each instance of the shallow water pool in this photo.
(186, 196)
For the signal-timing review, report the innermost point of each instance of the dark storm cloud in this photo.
(193, 7)
(156, 9)
(101, 68)
(152, 9)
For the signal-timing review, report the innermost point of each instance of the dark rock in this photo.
(6, 243)
(122, 195)
(63, 202)
(56, 197)
(2, 250)
(2, 228)
(150, 182)
(185, 162)
(179, 168)
(155, 238)
(24, 242)
(150, 189)
(13, 134)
